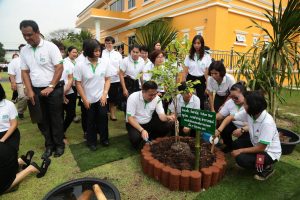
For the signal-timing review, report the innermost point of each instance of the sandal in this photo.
(43, 168)
(27, 158)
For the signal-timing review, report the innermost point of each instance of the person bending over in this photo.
(263, 148)
(145, 116)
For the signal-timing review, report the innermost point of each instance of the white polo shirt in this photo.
(223, 88)
(40, 61)
(193, 103)
(132, 68)
(147, 67)
(114, 59)
(14, 68)
(142, 110)
(8, 112)
(262, 130)
(230, 108)
(68, 69)
(197, 67)
(92, 79)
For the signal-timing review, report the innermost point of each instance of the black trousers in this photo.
(83, 116)
(219, 101)
(200, 88)
(227, 134)
(114, 93)
(13, 140)
(69, 110)
(248, 160)
(51, 125)
(155, 128)
(97, 122)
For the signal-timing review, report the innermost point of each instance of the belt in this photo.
(58, 85)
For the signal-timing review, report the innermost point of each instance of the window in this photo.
(118, 5)
(131, 41)
(186, 36)
(146, 0)
(266, 39)
(240, 38)
(131, 4)
(255, 40)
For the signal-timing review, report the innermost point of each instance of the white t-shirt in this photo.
(197, 67)
(14, 68)
(92, 79)
(193, 103)
(80, 58)
(114, 59)
(132, 68)
(142, 110)
(8, 112)
(68, 69)
(147, 67)
(40, 61)
(230, 108)
(262, 130)
(223, 88)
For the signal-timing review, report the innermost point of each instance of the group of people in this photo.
(98, 76)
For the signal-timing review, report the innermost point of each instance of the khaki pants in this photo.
(22, 99)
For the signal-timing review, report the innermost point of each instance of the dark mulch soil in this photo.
(182, 156)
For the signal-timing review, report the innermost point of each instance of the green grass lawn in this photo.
(126, 174)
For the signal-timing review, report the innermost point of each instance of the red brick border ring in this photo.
(184, 180)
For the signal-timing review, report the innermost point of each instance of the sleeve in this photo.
(67, 68)
(171, 107)
(267, 133)
(123, 65)
(109, 69)
(224, 110)
(13, 113)
(209, 84)
(241, 116)
(159, 107)
(208, 60)
(11, 68)
(23, 64)
(197, 102)
(131, 106)
(77, 73)
(187, 61)
(232, 81)
(55, 55)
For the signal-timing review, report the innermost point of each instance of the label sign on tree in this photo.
(202, 120)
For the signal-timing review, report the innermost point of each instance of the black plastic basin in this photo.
(72, 190)
(288, 147)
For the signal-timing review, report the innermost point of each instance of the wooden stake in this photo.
(98, 192)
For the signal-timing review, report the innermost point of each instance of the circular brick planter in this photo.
(183, 180)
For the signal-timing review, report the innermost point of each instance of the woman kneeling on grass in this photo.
(10, 164)
(262, 149)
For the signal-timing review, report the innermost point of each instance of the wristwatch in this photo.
(51, 86)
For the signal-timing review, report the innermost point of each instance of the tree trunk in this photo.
(197, 150)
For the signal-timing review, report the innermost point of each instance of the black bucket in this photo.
(288, 147)
(75, 188)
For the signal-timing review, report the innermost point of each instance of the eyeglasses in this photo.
(235, 98)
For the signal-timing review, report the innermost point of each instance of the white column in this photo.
(97, 28)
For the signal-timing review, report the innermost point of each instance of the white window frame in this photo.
(199, 30)
(240, 38)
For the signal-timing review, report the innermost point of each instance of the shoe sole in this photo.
(259, 178)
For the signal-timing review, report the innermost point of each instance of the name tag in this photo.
(4, 117)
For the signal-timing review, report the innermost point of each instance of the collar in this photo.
(2, 103)
(261, 117)
(133, 61)
(224, 80)
(181, 100)
(106, 50)
(40, 44)
(89, 62)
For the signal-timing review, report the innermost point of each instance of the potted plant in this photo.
(268, 66)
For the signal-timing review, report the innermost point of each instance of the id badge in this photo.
(260, 159)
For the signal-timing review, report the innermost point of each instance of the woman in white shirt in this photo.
(69, 94)
(92, 82)
(218, 82)
(230, 108)
(263, 148)
(9, 132)
(196, 67)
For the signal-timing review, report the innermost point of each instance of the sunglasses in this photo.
(235, 98)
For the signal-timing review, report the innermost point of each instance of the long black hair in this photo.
(2, 93)
(193, 50)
